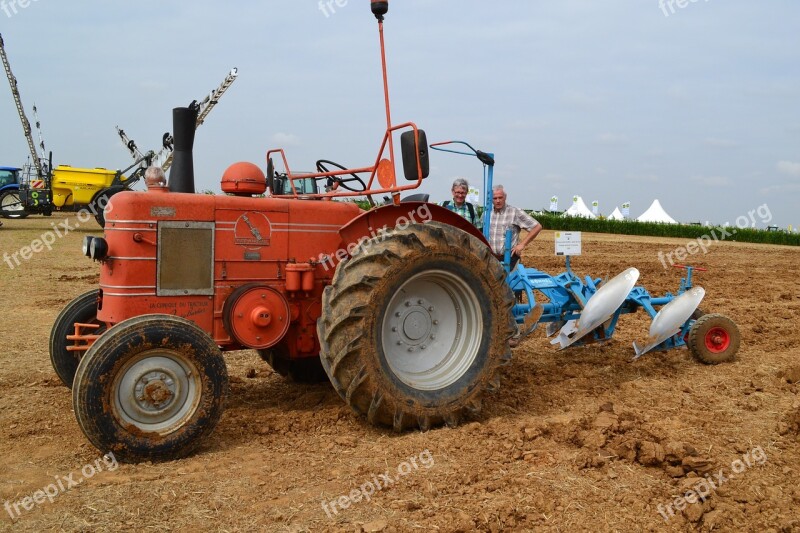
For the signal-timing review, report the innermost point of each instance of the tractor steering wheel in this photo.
(321, 167)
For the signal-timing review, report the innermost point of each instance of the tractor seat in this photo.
(419, 197)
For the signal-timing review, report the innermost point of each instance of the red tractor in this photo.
(403, 306)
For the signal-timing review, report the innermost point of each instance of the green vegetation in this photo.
(652, 229)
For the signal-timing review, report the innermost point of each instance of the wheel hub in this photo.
(156, 391)
(414, 324)
(717, 340)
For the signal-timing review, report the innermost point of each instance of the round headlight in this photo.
(98, 249)
(87, 242)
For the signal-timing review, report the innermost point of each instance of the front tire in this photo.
(11, 205)
(415, 326)
(82, 309)
(151, 388)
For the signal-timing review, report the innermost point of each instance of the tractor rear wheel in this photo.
(714, 339)
(11, 205)
(82, 309)
(306, 370)
(415, 326)
(151, 388)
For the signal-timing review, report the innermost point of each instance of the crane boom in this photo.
(204, 108)
(26, 125)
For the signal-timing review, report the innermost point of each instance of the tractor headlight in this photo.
(98, 249)
(87, 244)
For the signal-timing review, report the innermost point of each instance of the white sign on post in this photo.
(568, 243)
(474, 196)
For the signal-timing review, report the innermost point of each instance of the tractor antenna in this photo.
(379, 9)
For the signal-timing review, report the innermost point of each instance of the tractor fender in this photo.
(370, 223)
(9, 187)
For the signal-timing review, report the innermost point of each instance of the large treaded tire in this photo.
(151, 388)
(11, 205)
(82, 309)
(394, 275)
(714, 339)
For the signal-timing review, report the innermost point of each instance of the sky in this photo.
(693, 102)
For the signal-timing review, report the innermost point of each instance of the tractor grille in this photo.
(185, 258)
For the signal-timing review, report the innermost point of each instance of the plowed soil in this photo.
(581, 440)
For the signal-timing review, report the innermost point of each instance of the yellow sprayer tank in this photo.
(77, 186)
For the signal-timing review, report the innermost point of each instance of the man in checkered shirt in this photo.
(505, 216)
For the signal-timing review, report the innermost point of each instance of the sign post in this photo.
(568, 243)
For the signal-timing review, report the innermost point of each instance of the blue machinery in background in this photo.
(585, 311)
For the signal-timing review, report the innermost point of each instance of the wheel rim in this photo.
(717, 340)
(157, 391)
(431, 330)
(12, 204)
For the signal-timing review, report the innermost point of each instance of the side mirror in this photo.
(410, 149)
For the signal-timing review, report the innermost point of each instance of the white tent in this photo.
(656, 213)
(579, 209)
(616, 215)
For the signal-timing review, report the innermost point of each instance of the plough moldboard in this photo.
(580, 312)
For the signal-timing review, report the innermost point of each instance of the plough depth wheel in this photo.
(714, 339)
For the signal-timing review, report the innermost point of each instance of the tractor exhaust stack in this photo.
(181, 176)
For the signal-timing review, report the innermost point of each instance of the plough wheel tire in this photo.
(714, 339)
(415, 326)
(307, 370)
(151, 388)
(82, 309)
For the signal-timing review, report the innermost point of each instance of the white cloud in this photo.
(790, 168)
(152, 85)
(579, 99)
(781, 189)
(611, 138)
(720, 143)
(713, 181)
(285, 139)
(646, 178)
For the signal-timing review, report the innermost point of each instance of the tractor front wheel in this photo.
(415, 326)
(151, 388)
(82, 309)
(714, 339)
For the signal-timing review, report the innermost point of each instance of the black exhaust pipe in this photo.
(181, 175)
